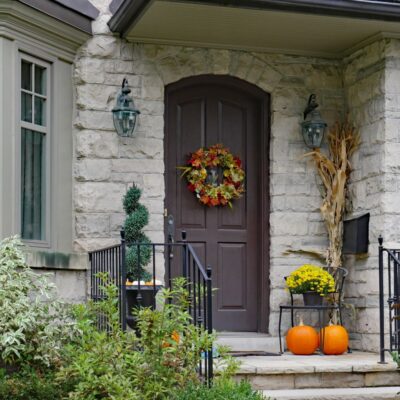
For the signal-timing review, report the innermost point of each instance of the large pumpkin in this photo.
(302, 339)
(335, 339)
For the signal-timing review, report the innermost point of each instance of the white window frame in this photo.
(46, 130)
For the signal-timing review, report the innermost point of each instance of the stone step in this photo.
(322, 380)
(249, 342)
(354, 370)
(375, 393)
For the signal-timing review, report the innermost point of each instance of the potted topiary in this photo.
(312, 282)
(138, 255)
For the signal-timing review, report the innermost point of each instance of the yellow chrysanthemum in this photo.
(310, 277)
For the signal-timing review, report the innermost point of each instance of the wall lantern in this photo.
(313, 127)
(124, 112)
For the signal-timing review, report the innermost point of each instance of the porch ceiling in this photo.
(291, 32)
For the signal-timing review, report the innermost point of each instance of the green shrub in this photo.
(221, 390)
(171, 345)
(31, 384)
(33, 324)
(137, 219)
(134, 263)
(101, 363)
(119, 365)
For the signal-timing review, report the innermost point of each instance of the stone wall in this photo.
(105, 165)
(371, 83)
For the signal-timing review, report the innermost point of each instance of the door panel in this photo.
(205, 113)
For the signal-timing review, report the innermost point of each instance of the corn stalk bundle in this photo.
(334, 170)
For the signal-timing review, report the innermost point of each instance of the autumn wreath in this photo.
(201, 173)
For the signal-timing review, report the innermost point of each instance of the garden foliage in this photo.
(44, 355)
(222, 390)
(137, 219)
(33, 324)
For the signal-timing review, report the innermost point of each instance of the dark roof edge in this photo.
(62, 13)
(129, 11)
(127, 14)
(84, 7)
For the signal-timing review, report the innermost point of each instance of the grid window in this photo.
(34, 137)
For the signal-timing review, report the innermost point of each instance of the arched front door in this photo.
(203, 111)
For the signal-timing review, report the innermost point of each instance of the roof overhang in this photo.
(325, 28)
(77, 13)
(24, 22)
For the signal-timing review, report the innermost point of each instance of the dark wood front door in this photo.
(203, 111)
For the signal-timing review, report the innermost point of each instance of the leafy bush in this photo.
(33, 324)
(396, 357)
(222, 390)
(119, 365)
(33, 385)
(100, 363)
(171, 345)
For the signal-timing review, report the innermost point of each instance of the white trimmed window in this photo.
(35, 158)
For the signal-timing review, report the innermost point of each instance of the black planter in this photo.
(312, 299)
(148, 300)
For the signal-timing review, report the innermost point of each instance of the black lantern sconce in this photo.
(124, 112)
(313, 127)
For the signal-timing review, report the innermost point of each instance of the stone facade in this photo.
(105, 165)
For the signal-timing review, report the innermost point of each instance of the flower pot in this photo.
(312, 299)
(131, 300)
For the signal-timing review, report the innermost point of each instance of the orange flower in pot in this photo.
(302, 339)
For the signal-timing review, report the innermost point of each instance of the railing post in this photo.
(209, 324)
(381, 304)
(123, 280)
(184, 255)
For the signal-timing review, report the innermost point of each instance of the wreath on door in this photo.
(214, 175)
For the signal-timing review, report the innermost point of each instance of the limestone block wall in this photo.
(105, 165)
(371, 82)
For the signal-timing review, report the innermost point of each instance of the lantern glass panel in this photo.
(313, 133)
(124, 122)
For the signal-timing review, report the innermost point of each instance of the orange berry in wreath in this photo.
(302, 339)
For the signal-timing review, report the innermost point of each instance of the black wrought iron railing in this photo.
(389, 290)
(174, 259)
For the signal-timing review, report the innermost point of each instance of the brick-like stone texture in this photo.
(105, 165)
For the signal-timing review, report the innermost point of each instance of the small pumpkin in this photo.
(302, 339)
(335, 339)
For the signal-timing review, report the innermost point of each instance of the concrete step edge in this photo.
(370, 393)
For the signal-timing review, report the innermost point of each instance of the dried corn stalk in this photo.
(334, 171)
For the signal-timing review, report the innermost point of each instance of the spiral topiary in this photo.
(137, 219)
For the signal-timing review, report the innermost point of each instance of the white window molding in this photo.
(35, 125)
(59, 228)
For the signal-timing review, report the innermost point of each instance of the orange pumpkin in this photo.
(335, 339)
(302, 339)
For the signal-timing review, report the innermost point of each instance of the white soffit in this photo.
(169, 22)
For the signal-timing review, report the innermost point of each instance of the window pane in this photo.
(26, 75)
(40, 80)
(40, 111)
(26, 107)
(32, 185)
